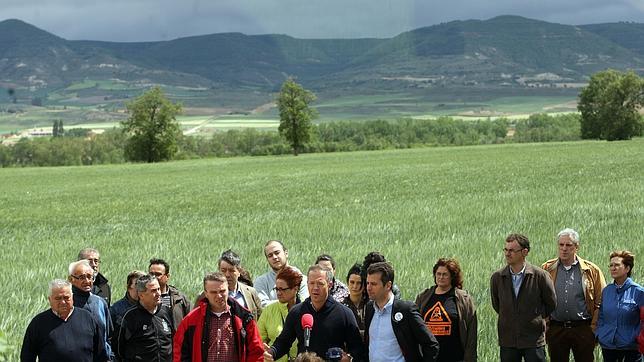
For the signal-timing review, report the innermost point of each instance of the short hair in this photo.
(214, 277)
(230, 257)
(355, 269)
(628, 259)
(58, 284)
(385, 269)
(571, 233)
(454, 271)
(134, 274)
(328, 274)
(76, 264)
(325, 257)
(155, 261)
(274, 241)
(143, 281)
(291, 276)
(308, 357)
(521, 239)
(85, 252)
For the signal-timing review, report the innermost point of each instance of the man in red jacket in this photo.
(218, 329)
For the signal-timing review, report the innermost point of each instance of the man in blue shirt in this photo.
(394, 329)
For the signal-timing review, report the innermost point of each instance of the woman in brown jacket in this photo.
(449, 313)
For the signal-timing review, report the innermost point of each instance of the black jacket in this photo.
(102, 288)
(416, 342)
(333, 326)
(144, 336)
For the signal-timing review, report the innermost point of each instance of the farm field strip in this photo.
(414, 205)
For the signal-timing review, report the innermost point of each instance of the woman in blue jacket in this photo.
(619, 320)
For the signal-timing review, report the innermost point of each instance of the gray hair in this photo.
(327, 272)
(58, 284)
(85, 252)
(142, 282)
(571, 233)
(76, 264)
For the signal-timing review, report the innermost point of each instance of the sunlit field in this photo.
(414, 206)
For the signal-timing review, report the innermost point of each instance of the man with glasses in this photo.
(523, 296)
(171, 297)
(277, 257)
(81, 275)
(101, 286)
(63, 333)
(578, 284)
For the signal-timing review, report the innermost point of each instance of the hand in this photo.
(268, 356)
(346, 357)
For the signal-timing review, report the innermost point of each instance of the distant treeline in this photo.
(343, 136)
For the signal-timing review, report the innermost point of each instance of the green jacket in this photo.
(270, 326)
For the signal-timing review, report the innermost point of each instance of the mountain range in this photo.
(503, 52)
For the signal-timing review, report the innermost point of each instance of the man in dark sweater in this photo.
(101, 286)
(63, 333)
(334, 325)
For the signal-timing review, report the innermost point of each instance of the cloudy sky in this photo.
(139, 20)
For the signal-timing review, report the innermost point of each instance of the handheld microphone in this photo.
(307, 325)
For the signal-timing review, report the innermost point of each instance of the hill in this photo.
(459, 61)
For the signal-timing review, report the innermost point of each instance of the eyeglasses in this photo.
(511, 250)
(281, 290)
(157, 274)
(83, 277)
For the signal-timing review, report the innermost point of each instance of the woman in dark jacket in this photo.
(449, 313)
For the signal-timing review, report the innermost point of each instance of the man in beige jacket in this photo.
(578, 286)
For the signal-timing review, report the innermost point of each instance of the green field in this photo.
(413, 205)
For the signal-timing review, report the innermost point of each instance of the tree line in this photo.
(609, 109)
(111, 147)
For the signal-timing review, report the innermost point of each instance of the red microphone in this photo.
(307, 325)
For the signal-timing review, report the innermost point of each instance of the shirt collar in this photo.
(388, 305)
(516, 274)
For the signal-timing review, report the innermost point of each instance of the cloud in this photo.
(139, 20)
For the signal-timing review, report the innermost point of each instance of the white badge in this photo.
(398, 317)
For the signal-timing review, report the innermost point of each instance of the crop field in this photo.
(414, 205)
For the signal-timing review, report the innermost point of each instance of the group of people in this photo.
(287, 315)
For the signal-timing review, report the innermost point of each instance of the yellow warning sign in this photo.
(438, 321)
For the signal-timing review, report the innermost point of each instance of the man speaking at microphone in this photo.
(332, 325)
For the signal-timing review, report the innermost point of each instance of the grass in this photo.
(413, 205)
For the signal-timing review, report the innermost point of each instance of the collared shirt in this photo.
(571, 302)
(517, 279)
(221, 340)
(383, 345)
(238, 296)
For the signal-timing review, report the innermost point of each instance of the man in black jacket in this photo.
(394, 329)
(146, 331)
(101, 286)
(334, 325)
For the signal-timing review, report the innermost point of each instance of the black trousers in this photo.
(621, 355)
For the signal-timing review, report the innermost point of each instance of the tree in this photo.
(54, 129)
(609, 106)
(295, 114)
(152, 127)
